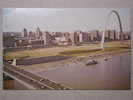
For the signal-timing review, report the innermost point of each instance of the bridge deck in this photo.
(32, 79)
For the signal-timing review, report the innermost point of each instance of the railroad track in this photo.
(32, 79)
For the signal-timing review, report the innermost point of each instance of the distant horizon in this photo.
(59, 31)
(63, 19)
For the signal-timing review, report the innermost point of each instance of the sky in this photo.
(63, 19)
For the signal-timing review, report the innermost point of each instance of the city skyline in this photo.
(66, 19)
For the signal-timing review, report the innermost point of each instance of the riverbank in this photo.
(53, 65)
(82, 50)
(42, 59)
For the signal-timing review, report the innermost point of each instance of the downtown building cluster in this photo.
(40, 38)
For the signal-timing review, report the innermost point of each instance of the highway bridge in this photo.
(31, 80)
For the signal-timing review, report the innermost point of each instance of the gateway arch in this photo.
(120, 25)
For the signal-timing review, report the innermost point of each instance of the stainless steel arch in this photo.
(120, 25)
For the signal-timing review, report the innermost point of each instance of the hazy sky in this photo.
(62, 19)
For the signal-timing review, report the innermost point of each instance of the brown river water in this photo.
(113, 74)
